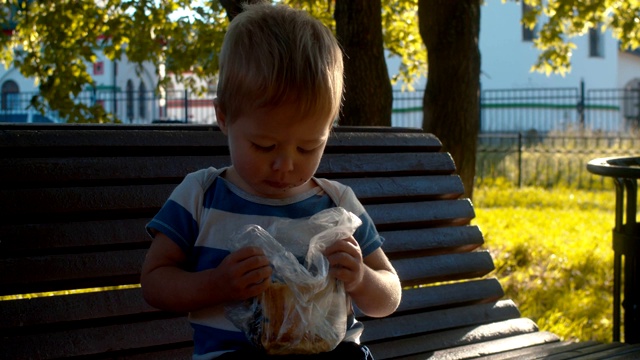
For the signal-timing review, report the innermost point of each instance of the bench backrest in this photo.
(74, 200)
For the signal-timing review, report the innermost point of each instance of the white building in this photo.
(118, 87)
(516, 99)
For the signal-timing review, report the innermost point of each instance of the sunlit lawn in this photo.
(553, 255)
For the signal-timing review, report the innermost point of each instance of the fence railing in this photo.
(501, 110)
(130, 107)
(540, 109)
(532, 159)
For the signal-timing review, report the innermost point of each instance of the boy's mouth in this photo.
(278, 185)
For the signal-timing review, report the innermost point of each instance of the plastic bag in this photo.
(304, 311)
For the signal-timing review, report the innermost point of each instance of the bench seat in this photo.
(74, 200)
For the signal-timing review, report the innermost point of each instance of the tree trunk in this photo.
(368, 97)
(234, 7)
(450, 31)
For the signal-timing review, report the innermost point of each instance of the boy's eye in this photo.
(304, 151)
(263, 148)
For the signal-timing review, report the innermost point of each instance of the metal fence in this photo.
(539, 109)
(501, 110)
(551, 160)
(129, 107)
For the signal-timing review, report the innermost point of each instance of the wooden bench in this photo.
(74, 200)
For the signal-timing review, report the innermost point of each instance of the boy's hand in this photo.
(346, 263)
(247, 272)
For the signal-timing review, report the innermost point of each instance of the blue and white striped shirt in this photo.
(203, 215)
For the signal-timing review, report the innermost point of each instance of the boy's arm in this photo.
(371, 282)
(167, 286)
(379, 292)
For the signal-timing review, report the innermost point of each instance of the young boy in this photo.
(279, 92)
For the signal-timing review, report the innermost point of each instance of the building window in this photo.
(596, 43)
(98, 68)
(528, 34)
(142, 93)
(129, 100)
(10, 96)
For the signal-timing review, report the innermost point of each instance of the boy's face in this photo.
(274, 152)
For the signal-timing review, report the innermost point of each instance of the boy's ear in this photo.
(220, 117)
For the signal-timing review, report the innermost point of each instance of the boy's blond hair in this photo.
(274, 55)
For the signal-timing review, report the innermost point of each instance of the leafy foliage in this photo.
(564, 19)
(401, 35)
(54, 41)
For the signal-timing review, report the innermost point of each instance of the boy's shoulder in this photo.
(331, 185)
(341, 194)
(196, 183)
(204, 177)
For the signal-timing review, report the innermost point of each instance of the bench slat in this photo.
(60, 138)
(18, 172)
(185, 353)
(617, 351)
(98, 339)
(196, 139)
(347, 165)
(40, 311)
(538, 351)
(422, 346)
(432, 241)
(135, 200)
(53, 238)
(407, 188)
(500, 345)
(430, 321)
(563, 350)
(57, 237)
(34, 313)
(78, 169)
(71, 271)
(51, 204)
(418, 271)
(449, 295)
(421, 214)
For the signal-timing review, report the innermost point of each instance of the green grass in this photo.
(553, 255)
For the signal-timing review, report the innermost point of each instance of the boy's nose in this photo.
(283, 163)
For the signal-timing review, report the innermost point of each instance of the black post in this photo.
(626, 243)
(519, 159)
(186, 107)
(481, 101)
(114, 89)
(581, 105)
(628, 240)
(638, 106)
